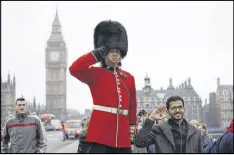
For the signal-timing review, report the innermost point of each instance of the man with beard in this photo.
(113, 119)
(175, 135)
(24, 131)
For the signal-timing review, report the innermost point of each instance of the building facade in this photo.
(224, 103)
(8, 90)
(35, 107)
(210, 112)
(56, 71)
(148, 98)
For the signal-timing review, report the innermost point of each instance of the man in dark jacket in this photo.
(224, 144)
(175, 135)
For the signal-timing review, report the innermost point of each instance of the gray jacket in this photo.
(162, 137)
(206, 139)
(26, 134)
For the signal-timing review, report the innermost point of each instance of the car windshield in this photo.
(73, 124)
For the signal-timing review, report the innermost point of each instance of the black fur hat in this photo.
(111, 34)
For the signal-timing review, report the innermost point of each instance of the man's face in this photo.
(176, 110)
(21, 106)
(113, 57)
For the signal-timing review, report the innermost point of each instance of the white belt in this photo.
(110, 110)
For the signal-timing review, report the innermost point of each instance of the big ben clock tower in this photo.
(56, 71)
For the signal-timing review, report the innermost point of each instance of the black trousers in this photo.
(100, 148)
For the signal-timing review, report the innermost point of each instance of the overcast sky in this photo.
(174, 40)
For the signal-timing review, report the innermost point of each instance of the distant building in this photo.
(219, 112)
(205, 112)
(87, 113)
(8, 90)
(33, 106)
(148, 98)
(210, 112)
(73, 114)
(224, 102)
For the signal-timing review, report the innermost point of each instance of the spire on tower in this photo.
(14, 79)
(170, 84)
(8, 77)
(147, 81)
(34, 104)
(56, 19)
(34, 99)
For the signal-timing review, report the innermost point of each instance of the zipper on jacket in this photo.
(180, 139)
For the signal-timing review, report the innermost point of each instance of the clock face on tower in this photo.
(54, 56)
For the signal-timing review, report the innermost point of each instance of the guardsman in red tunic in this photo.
(113, 119)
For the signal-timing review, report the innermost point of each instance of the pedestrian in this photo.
(24, 131)
(141, 116)
(206, 138)
(83, 122)
(224, 144)
(83, 146)
(113, 90)
(195, 123)
(151, 148)
(174, 135)
(64, 130)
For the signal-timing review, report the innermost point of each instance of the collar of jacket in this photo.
(22, 115)
(111, 68)
(173, 123)
(166, 128)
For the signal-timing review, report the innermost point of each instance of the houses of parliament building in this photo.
(149, 98)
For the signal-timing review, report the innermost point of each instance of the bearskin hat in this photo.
(111, 34)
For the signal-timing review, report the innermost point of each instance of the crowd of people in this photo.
(155, 133)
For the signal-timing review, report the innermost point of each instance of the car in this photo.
(49, 127)
(73, 128)
(56, 123)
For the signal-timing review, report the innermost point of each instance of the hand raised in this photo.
(100, 53)
(158, 113)
(103, 50)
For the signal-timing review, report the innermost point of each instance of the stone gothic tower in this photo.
(56, 71)
(8, 91)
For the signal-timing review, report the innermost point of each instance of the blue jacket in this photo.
(226, 144)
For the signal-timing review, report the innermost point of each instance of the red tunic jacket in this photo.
(107, 128)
